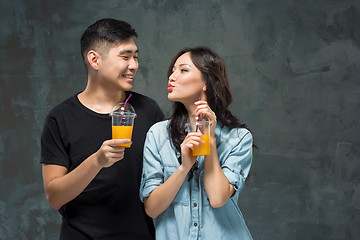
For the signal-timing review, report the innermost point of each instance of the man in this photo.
(92, 181)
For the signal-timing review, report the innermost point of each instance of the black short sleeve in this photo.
(52, 147)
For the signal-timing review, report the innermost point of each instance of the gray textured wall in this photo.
(294, 68)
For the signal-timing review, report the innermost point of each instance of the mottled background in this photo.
(294, 68)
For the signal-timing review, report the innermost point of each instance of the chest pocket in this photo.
(183, 196)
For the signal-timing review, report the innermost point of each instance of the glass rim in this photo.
(203, 122)
(125, 114)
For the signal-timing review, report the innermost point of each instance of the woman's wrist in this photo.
(212, 140)
(183, 170)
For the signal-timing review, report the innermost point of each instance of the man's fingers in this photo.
(117, 142)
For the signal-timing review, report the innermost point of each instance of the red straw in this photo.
(124, 108)
(197, 124)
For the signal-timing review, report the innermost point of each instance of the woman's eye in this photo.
(184, 70)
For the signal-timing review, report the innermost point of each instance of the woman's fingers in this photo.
(193, 139)
(203, 109)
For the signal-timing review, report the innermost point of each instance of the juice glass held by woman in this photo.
(202, 127)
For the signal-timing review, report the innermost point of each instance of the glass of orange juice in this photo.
(123, 116)
(203, 127)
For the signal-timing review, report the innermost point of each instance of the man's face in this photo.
(118, 67)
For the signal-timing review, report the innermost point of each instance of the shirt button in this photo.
(195, 224)
(195, 205)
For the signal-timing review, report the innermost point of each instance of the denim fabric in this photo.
(190, 216)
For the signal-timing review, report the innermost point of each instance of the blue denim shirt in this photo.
(190, 216)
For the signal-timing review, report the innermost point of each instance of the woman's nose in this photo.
(172, 77)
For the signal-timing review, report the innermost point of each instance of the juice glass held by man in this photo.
(123, 116)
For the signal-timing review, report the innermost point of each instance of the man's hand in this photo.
(110, 152)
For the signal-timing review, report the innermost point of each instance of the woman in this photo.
(196, 197)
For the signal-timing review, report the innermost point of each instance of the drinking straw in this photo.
(197, 121)
(122, 114)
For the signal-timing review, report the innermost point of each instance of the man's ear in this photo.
(93, 59)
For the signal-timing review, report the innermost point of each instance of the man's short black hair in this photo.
(105, 31)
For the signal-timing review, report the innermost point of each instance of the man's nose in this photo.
(133, 64)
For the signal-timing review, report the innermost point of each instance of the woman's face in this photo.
(185, 83)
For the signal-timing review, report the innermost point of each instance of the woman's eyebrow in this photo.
(185, 64)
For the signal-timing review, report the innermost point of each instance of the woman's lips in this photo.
(170, 87)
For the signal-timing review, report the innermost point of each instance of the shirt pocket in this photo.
(183, 196)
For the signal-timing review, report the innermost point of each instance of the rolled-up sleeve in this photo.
(153, 172)
(236, 165)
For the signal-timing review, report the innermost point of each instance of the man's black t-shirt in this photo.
(109, 207)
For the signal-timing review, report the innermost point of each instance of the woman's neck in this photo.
(191, 108)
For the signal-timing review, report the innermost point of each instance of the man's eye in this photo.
(125, 57)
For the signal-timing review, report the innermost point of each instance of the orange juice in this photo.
(204, 147)
(122, 132)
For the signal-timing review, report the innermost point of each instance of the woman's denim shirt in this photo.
(190, 216)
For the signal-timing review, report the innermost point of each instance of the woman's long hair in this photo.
(218, 94)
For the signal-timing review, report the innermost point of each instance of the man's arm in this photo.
(61, 187)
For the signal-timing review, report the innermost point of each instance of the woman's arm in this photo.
(220, 186)
(162, 196)
(217, 186)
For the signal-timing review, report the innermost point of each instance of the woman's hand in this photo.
(191, 141)
(203, 110)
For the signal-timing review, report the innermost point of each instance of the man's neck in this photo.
(99, 99)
